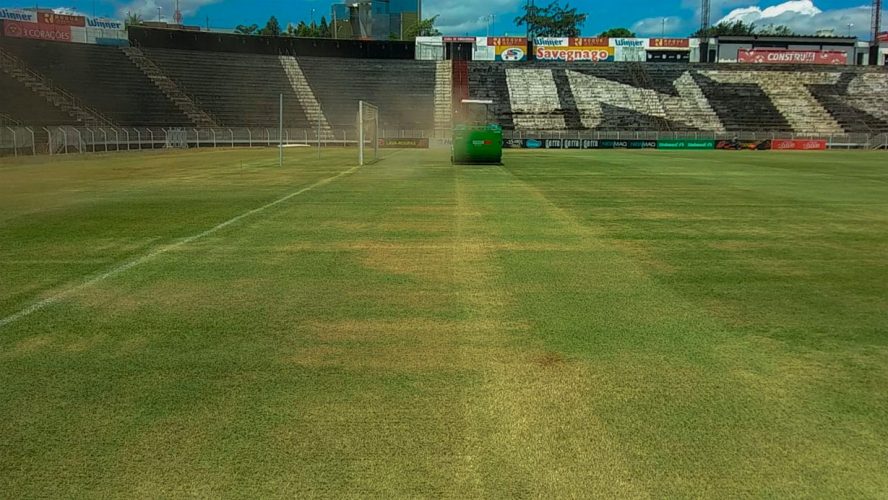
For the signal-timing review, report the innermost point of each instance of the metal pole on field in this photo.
(319, 139)
(281, 133)
(360, 133)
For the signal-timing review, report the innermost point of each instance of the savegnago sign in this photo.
(594, 54)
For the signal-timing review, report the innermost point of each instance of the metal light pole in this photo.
(281, 132)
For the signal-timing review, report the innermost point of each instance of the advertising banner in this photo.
(883, 37)
(799, 144)
(569, 54)
(585, 41)
(738, 145)
(36, 31)
(686, 144)
(513, 143)
(775, 56)
(23, 16)
(670, 43)
(618, 144)
(405, 143)
(632, 43)
(459, 39)
(44, 17)
(508, 48)
(105, 24)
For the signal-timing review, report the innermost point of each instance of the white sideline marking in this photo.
(145, 258)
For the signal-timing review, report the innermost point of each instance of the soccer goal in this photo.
(368, 133)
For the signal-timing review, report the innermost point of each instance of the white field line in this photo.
(162, 250)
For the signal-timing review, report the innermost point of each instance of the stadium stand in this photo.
(682, 97)
(102, 77)
(236, 89)
(152, 87)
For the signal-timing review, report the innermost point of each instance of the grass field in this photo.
(611, 323)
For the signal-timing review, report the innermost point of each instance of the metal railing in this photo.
(18, 140)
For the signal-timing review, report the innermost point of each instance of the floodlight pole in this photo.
(281, 132)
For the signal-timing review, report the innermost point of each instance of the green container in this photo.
(477, 144)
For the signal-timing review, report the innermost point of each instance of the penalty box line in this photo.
(37, 306)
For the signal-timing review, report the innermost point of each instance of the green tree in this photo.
(272, 27)
(133, 19)
(737, 28)
(617, 33)
(246, 30)
(778, 30)
(324, 28)
(551, 20)
(426, 27)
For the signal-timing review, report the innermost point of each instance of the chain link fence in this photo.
(23, 141)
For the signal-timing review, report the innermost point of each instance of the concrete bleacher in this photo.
(102, 77)
(26, 107)
(682, 97)
(236, 89)
(404, 90)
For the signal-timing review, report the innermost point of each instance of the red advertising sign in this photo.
(60, 19)
(588, 42)
(506, 41)
(776, 56)
(883, 37)
(670, 43)
(799, 144)
(16, 29)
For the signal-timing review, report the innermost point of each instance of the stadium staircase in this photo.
(72, 107)
(175, 94)
(443, 100)
(306, 97)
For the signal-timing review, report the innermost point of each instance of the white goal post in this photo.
(368, 133)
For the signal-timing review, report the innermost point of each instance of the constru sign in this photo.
(15, 29)
(772, 56)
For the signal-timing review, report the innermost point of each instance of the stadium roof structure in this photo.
(806, 39)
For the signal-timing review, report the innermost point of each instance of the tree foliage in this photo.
(133, 19)
(272, 27)
(740, 28)
(617, 33)
(551, 20)
(425, 27)
(243, 29)
(776, 30)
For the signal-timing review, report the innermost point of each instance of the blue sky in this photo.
(460, 17)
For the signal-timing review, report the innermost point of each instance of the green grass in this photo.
(610, 323)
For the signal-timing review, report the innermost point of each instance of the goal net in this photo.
(368, 133)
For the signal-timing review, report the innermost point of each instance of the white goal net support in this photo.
(368, 133)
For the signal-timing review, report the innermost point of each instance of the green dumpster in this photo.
(476, 139)
(477, 143)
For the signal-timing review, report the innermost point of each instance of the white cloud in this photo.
(148, 8)
(654, 26)
(457, 17)
(754, 13)
(68, 11)
(803, 17)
